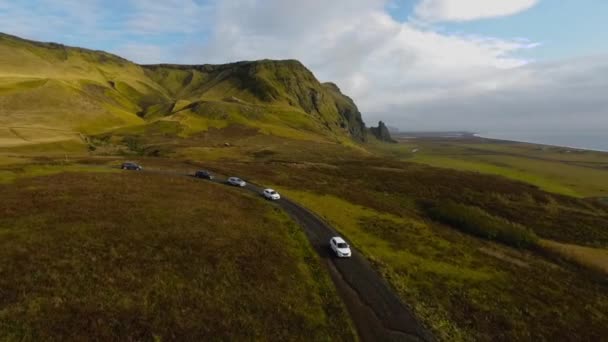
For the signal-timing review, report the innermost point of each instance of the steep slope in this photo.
(348, 110)
(286, 86)
(50, 92)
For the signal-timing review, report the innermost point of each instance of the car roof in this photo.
(338, 239)
(269, 190)
(203, 171)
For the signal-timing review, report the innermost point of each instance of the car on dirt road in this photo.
(236, 181)
(271, 194)
(340, 247)
(203, 174)
(131, 166)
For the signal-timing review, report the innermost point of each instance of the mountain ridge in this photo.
(282, 82)
(89, 91)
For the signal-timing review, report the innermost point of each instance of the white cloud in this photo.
(563, 95)
(465, 10)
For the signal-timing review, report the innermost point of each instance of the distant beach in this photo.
(584, 140)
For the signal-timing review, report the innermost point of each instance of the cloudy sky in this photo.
(483, 65)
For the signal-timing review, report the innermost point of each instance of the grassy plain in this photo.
(134, 256)
(464, 287)
(555, 169)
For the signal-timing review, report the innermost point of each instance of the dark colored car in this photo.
(203, 174)
(130, 166)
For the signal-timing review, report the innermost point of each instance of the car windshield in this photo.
(272, 192)
(342, 245)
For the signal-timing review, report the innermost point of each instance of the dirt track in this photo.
(378, 313)
(376, 310)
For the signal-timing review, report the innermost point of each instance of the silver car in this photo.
(236, 181)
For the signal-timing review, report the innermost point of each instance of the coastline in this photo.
(579, 148)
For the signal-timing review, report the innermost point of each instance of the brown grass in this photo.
(502, 255)
(446, 275)
(594, 258)
(454, 285)
(132, 256)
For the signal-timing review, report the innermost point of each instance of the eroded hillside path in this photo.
(376, 310)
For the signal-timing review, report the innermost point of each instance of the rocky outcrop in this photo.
(382, 133)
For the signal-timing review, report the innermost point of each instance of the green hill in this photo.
(50, 92)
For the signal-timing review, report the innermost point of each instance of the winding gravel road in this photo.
(374, 307)
(376, 310)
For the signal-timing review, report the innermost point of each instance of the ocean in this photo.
(597, 141)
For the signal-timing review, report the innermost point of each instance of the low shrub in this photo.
(475, 221)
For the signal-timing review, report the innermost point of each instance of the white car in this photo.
(340, 247)
(271, 194)
(236, 181)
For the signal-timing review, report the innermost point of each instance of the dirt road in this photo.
(376, 310)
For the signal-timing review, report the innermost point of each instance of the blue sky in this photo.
(563, 28)
(416, 64)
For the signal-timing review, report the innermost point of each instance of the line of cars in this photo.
(270, 194)
(337, 244)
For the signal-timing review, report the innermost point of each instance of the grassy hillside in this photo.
(131, 256)
(259, 87)
(50, 93)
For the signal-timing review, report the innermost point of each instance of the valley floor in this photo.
(464, 284)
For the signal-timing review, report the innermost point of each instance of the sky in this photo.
(476, 65)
